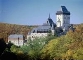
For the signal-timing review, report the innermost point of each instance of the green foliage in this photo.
(14, 49)
(55, 48)
(69, 46)
(25, 48)
(78, 54)
(33, 47)
(32, 54)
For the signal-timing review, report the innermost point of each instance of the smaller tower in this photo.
(49, 15)
(53, 30)
(48, 19)
(51, 24)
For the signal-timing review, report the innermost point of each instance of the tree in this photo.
(2, 46)
(14, 49)
(8, 56)
(9, 45)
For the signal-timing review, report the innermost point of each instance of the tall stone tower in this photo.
(63, 18)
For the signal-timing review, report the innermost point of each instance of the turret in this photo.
(53, 30)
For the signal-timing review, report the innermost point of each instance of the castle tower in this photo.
(63, 18)
(49, 19)
(53, 30)
(52, 25)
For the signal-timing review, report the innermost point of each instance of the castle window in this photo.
(34, 31)
(47, 21)
(32, 36)
(64, 22)
(64, 17)
(68, 18)
(58, 18)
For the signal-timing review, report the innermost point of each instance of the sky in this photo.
(36, 12)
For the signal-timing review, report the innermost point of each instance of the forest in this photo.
(7, 29)
(65, 47)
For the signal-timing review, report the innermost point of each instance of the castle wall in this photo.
(36, 35)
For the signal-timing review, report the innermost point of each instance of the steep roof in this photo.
(16, 36)
(42, 28)
(63, 11)
(50, 22)
(45, 28)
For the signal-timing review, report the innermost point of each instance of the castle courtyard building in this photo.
(16, 39)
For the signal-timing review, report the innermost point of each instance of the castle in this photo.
(61, 27)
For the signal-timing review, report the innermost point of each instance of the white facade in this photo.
(16, 39)
(16, 42)
(63, 21)
(59, 20)
(36, 35)
(53, 32)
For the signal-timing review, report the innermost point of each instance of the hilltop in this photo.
(7, 29)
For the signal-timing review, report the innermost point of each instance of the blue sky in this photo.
(35, 12)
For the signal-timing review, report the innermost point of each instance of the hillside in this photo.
(7, 29)
(66, 47)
